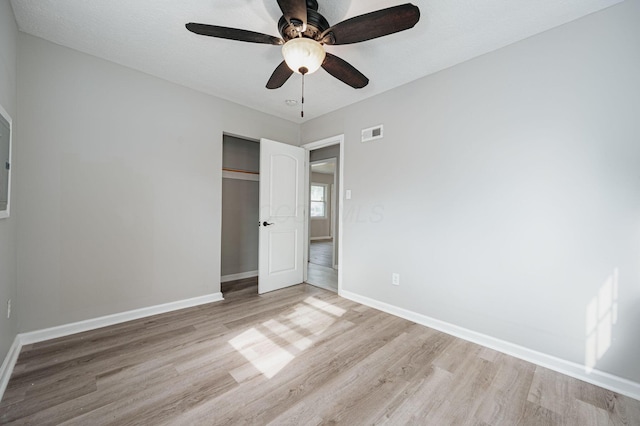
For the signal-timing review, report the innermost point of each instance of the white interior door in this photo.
(282, 213)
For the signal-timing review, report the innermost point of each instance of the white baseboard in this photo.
(240, 276)
(8, 364)
(569, 368)
(321, 238)
(94, 323)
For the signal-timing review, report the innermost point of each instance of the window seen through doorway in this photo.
(318, 200)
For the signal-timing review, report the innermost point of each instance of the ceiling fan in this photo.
(304, 31)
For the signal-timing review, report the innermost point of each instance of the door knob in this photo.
(265, 223)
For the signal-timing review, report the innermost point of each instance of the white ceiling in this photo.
(325, 167)
(149, 35)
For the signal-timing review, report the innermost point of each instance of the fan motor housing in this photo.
(316, 25)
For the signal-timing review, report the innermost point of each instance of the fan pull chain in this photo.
(302, 104)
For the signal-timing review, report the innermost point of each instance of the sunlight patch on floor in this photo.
(310, 319)
(295, 331)
(265, 355)
(296, 339)
(327, 307)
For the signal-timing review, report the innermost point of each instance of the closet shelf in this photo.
(228, 173)
(226, 169)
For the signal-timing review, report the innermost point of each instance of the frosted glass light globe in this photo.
(303, 55)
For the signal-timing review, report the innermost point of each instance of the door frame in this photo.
(312, 146)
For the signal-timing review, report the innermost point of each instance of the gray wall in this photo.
(8, 274)
(319, 227)
(119, 184)
(240, 154)
(506, 192)
(240, 208)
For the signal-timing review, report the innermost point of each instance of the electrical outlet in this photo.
(9, 308)
(395, 279)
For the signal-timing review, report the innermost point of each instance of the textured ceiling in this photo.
(149, 35)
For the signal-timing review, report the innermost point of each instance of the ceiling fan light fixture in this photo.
(303, 55)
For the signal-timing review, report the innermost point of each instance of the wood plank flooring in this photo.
(321, 253)
(299, 356)
(323, 277)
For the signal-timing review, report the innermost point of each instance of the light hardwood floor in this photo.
(321, 252)
(320, 270)
(299, 356)
(323, 277)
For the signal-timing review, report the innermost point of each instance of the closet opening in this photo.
(240, 211)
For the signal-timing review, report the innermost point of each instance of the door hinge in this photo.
(7, 166)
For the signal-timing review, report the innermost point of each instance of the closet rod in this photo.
(240, 171)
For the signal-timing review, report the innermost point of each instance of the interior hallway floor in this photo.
(321, 253)
(322, 277)
(320, 271)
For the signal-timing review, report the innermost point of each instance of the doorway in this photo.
(324, 213)
(263, 219)
(248, 175)
(240, 205)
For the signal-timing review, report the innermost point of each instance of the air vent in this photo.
(372, 133)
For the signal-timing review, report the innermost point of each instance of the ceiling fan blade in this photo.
(295, 12)
(279, 76)
(373, 25)
(233, 34)
(344, 71)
